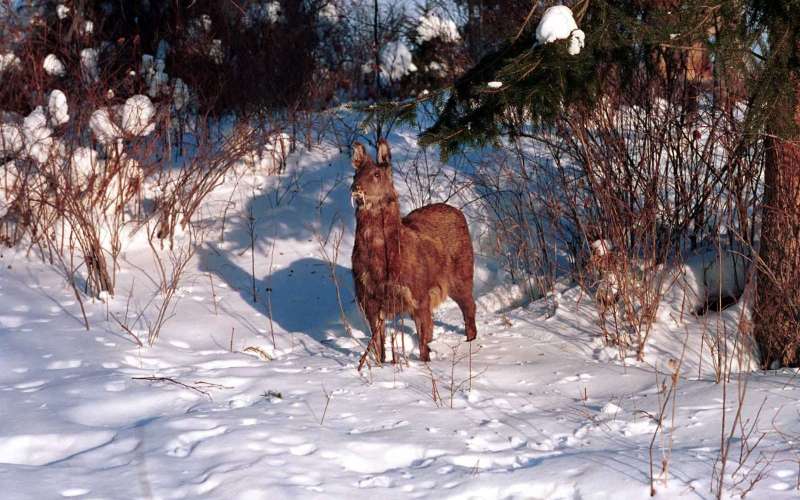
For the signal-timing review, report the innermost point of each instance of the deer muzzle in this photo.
(357, 198)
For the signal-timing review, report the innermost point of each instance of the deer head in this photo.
(372, 184)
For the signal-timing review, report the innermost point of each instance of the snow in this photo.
(39, 141)
(271, 12)
(62, 11)
(42, 449)
(707, 275)
(396, 61)
(215, 51)
(11, 140)
(602, 247)
(437, 68)
(329, 13)
(180, 94)
(9, 61)
(138, 115)
(35, 120)
(271, 157)
(53, 66)
(89, 60)
(162, 50)
(83, 162)
(147, 64)
(537, 407)
(205, 22)
(576, 42)
(103, 127)
(432, 26)
(88, 27)
(154, 74)
(494, 85)
(58, 108)
(557, 23)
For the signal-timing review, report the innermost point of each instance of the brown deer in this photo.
(410, 264)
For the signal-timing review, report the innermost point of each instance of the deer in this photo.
(407, 265)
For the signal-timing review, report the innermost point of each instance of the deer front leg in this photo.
(423, 320)
(379, 332)
(377, 325)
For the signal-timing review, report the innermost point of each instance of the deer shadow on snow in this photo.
(302, 295)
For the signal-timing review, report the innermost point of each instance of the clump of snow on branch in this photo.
(602, 247)
(215, 51)
(103, 126)
(53, 66)
(263, 12)
(38, 136)
(58, 108)
(558, 24)
(396, 61)
(62, 11)
(89, 68)
(154, 74)
(180, 94)
(206, 22)
(329, 13)
(437, 68)
(11, 140)
(34, 137)
(9, 61)
(82, 164)
(138, 115)
(432, 26)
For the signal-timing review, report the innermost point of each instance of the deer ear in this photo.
(359, 155)
(384, 153)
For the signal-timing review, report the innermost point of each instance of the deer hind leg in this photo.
(462, 295)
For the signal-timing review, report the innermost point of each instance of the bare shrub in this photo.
(170, 269)
(659, 174)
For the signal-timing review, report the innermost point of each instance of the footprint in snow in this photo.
(493, 442)
(379, 427)
(32, 386)
(115, 386)
(64, 364)
(10, 321)
(375, 482)
(185, 443)
(303, 450)
(305, 480)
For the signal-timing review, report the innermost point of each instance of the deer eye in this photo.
(377, 175)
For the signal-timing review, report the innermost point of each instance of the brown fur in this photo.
(407, 265)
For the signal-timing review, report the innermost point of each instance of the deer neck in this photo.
(378, 232)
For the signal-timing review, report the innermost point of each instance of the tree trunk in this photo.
(777, 308)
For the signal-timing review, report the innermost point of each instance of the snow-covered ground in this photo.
(537, 407)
